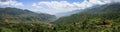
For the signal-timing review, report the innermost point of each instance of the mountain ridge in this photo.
(108, 8)
(24, 15)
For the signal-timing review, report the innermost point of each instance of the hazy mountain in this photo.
(107, 11)
(14, 14)
(64, 14)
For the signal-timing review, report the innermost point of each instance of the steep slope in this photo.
(105, 18)
(104, 10)
(14, 14)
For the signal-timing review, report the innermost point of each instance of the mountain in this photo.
(64, 14)
(15, 14)
(104, 18)
(108, 8)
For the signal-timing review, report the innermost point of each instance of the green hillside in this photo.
(105, 18)
(19, 15)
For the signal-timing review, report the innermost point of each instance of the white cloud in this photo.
(54, 7)
(63, 6)
(10, 3)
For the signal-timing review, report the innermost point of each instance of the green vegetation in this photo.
(25, 27)
(14, 14)
(105, 18)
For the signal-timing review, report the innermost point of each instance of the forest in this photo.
(105, 18)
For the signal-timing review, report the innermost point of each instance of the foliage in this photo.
(14, 14)
(105, 18)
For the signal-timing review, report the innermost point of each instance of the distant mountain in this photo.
(108, 11)
(15, 14)
(67, 13)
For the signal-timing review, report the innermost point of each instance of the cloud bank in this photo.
(54, 7)
(10, 3)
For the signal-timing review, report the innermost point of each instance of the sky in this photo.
(53, 6)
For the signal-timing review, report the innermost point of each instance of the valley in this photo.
(104, 18)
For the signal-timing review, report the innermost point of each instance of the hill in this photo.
(104, 10)
(15, 14)
(104, 18)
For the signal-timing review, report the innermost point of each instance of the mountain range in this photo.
(107, 11)
(15, 14)
(104, 18)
